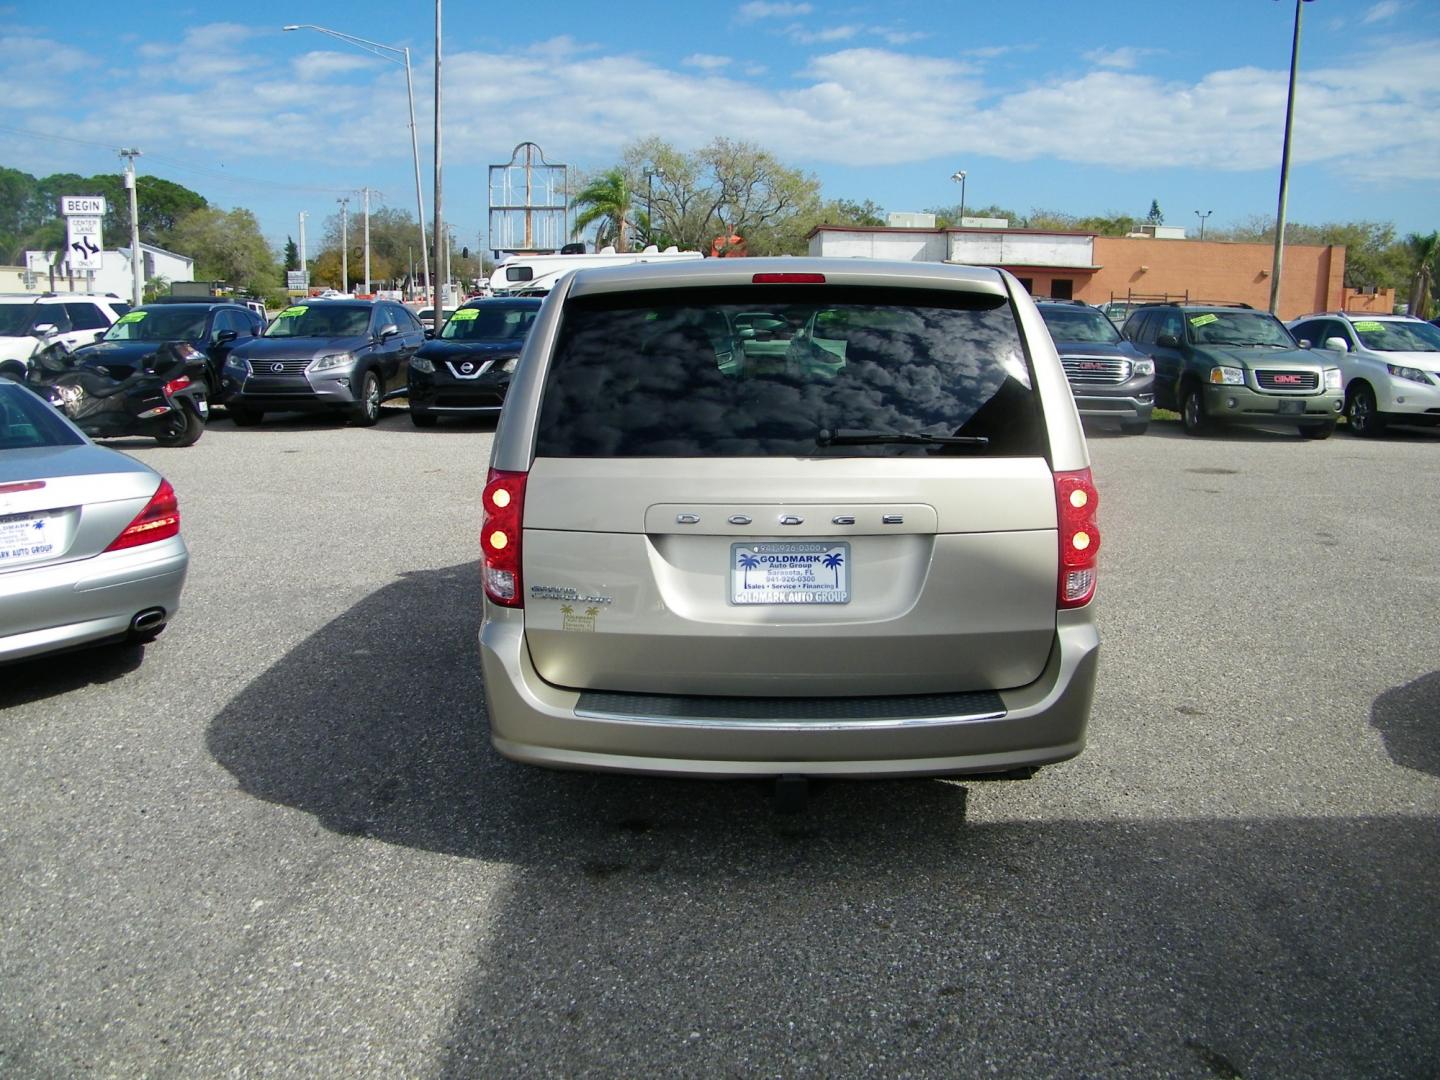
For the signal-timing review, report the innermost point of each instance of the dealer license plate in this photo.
(1290, 408)
(790, 573)
(24, 537)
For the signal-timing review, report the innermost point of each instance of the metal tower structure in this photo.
(529, 203)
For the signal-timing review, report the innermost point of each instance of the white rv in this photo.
(535, 274)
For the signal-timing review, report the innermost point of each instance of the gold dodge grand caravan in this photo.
(789, 517)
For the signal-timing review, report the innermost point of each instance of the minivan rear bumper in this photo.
(535, 722)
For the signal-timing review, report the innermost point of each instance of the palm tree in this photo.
(1423, 250)
(605, 199)
(747, 563)
(832, 562)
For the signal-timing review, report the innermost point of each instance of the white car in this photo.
(1390, 365)
(29, 323)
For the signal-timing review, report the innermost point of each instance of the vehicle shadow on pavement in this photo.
(665, 927)
(392, 743)
(49, 676)
(1408, 719)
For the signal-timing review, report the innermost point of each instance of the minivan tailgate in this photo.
(633, 571)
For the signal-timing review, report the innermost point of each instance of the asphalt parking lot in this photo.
(278, 843)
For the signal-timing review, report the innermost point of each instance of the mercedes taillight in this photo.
(1077, 501)
(160, 520)
(503, 508)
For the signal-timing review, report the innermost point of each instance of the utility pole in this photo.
(439, 236)
(1285, 165)
(137, 264)
(367, 241)
(344, 202)
(303, 265)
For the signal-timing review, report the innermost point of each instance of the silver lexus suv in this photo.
(789, 517)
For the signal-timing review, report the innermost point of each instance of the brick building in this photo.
(1097, 269)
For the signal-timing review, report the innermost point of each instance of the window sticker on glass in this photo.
(132, 317)
(465, 314)
(1369, 327)
(1204, 320)
(292, 312)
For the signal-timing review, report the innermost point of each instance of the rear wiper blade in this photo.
(845, 437)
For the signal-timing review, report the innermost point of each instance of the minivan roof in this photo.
(721, 272)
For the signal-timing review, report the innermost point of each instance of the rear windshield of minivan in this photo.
(791, 370)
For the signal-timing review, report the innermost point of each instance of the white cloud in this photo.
(825, 36)
(760, 9)
(1386, 9)
(1123, 58)
(324, 64)
(1376, 117)
(706, 61)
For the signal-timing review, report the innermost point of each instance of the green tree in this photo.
(849, 212)
(1422, 249)
(605, 201)
(292, 255)
(1373, 254)
(725, 188)
(228, 247)
(1155, 217)
(947, 216)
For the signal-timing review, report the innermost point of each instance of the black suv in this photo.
(323, 356)
(214, 328)
(1218, 363)
(467, 369)
(1108, 376)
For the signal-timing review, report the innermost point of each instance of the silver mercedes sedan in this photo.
(90, 545)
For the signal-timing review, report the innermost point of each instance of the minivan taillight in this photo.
(501, 513)
(1077, 501)
(160, 520)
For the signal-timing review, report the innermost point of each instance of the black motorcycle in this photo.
(163, 398)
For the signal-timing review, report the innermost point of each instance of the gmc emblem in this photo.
(1287, 380)
(1091, 365)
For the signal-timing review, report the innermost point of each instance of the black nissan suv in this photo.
(467, 369)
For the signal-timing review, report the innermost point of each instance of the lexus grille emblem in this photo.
(277, 367)
(467, 367)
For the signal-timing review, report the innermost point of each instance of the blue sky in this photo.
(1084, 108)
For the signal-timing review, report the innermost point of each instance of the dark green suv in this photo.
(1231, 364)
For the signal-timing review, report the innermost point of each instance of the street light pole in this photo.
(344, 202)
(137, 287)
(1285, 166)
(1202, 218)
(382, 51)
(650, 175)
(439, 237)
(959, 177)
(367, 241)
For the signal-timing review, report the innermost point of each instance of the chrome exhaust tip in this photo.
(147, 620)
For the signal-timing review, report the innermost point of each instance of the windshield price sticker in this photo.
(465, 314)
(790, 573)
(292, 312)
(24, 537)
(1369, 327)
(132, 317)
(1204, 320)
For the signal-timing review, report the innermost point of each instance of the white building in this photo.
(112, 277)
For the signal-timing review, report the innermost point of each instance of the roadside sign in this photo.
(39, 262)
(83, 243)
(297, 280)
(82, 205)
